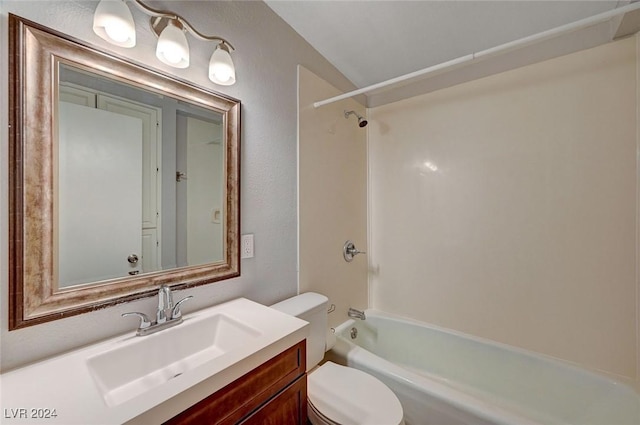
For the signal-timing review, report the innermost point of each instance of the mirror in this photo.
(158, 162)
(121, 179)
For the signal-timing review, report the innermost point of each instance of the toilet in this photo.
(336, 394)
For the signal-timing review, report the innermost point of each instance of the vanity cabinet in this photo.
(273, 393)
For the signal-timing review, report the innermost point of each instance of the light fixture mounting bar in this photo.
(163, 16)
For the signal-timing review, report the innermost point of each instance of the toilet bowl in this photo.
(343, 395)
(336, 394)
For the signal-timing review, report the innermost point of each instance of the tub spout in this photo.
(356, 314)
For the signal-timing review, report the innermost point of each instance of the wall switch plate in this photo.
(246, 246)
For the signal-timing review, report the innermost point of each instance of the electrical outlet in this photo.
(246, 246)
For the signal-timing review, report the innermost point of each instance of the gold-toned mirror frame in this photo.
(34, 54)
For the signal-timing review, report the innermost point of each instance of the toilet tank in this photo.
(312, 308)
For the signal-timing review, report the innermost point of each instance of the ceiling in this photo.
(373, 41)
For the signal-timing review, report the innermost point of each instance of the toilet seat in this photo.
(316, 417)
(347, 396)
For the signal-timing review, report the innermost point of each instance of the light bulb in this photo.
(172, 55)
(113, 22)
(222, 72)
(221, 69)
(117, 31)
(173, 48)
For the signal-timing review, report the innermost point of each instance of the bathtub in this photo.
(446, 378)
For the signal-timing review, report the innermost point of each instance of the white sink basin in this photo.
(130, 378)
(145, 362)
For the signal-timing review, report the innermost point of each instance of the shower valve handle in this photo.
(349, 251)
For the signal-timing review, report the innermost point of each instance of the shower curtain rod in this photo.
(494, 51)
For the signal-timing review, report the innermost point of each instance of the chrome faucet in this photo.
(356, 314)
(167, 315)
(165, 304)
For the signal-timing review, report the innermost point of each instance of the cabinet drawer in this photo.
(244, 395)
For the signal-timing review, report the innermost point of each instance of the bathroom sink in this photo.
(139, 364)
(119, 379)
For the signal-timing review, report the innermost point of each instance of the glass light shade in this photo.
(113, 22)
(173, 48)
(221, 69)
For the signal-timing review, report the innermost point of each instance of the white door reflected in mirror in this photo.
(100, 153)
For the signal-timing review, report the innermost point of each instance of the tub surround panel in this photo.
(332, 191)
(513, 200)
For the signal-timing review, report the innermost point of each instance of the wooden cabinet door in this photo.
(287, 408)
(255, 391)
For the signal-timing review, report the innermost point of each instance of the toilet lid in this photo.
(351, 397)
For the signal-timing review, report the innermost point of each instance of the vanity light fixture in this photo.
(173, 47)
(113, 22)
(221, 69)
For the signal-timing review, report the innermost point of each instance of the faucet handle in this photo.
(144, 320)
(176, 313)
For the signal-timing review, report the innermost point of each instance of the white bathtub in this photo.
(446, 378)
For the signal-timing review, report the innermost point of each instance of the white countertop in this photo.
(64, 384)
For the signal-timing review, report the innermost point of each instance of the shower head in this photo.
(361, 121)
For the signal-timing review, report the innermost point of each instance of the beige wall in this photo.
(332, 175)
(506, 208)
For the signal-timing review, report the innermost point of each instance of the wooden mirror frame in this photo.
(34, 55)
